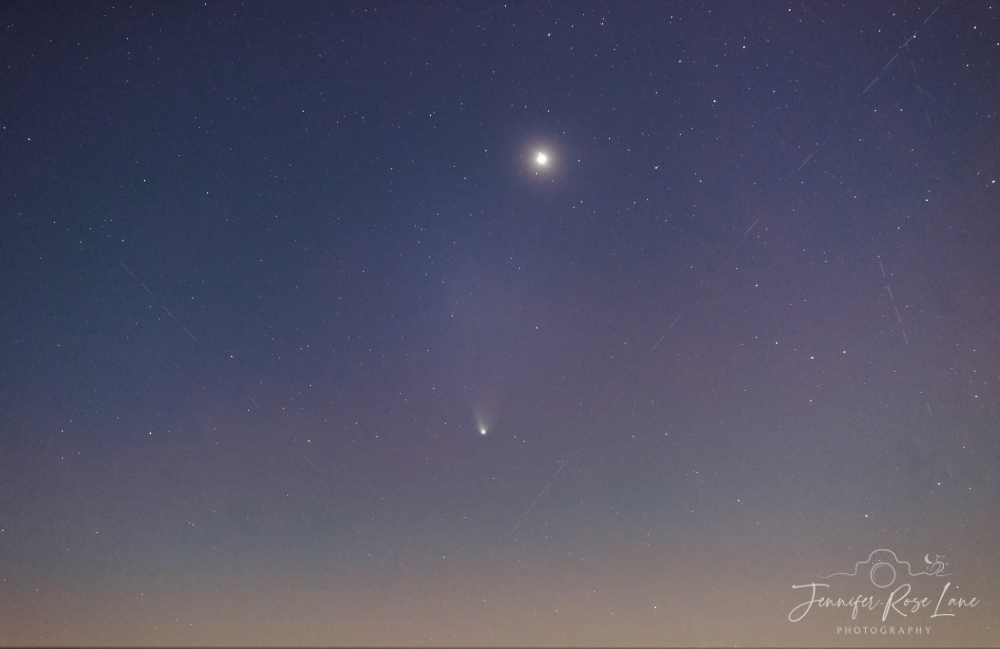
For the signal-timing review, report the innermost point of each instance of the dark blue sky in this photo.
(300, 344)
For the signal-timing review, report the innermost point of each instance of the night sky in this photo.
(301, 343)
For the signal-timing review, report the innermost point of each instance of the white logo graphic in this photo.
(884, 584)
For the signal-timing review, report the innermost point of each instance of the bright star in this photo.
(541, 158)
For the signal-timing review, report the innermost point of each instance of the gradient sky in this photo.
(301, 346)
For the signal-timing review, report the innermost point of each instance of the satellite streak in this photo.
(146, 288)
(807, 160)
(563, 464)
